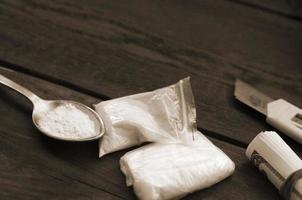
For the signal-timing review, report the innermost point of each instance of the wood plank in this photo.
(36, 167)
(116, 49)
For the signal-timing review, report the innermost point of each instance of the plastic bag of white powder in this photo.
(171, 171)
(163, 115)
(179, 161)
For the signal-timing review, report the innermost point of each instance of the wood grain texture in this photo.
(115, 49)
(36, 167)
(287, 8)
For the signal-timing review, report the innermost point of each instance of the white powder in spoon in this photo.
(67, 121)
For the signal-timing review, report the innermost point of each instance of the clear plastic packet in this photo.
(164, 115)
(171, 171)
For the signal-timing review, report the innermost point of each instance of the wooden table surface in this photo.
(90, 51)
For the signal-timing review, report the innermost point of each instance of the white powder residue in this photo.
(67, 121)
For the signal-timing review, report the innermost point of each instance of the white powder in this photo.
(67, 121)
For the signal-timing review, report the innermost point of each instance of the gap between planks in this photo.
(267, 9)
(66, 84)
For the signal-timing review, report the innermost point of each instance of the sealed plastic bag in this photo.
(171, 171)
(163, 115)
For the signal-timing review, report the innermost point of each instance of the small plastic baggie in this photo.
(171, 171)
(163, 115)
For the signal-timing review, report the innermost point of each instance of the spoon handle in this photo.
(9, 83)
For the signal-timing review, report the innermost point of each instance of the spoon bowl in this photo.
(46, 106)
(41, 107)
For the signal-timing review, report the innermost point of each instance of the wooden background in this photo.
(92, 50)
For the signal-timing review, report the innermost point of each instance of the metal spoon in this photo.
(41, 106)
